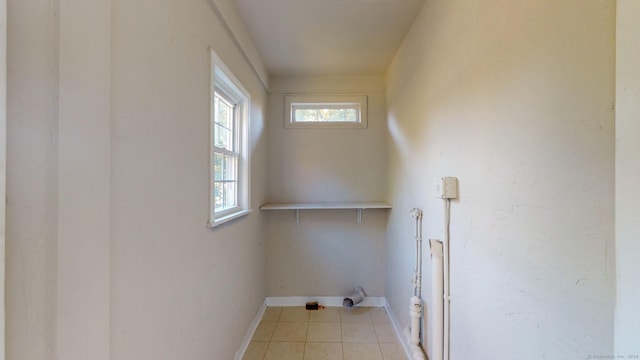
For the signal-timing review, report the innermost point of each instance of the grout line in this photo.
(388, 316)
(304, 347)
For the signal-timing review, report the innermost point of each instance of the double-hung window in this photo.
(229, 193)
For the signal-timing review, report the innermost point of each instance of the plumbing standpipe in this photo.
(415, 303)
(437, 309)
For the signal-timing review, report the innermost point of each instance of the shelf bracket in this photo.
(359, 216)
(297, 215)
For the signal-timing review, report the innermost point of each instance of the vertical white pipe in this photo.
(416, 213)
(437, 309)
(415, 312)
(419, 239)
(447, 295)
(415, 303)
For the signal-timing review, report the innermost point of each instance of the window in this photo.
(229, 193)
(326, 111)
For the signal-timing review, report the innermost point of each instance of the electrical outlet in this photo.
(447, 188)
(450, 188)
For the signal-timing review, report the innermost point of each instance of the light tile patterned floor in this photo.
(294, 333)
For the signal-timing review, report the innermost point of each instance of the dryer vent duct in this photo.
(355, 298)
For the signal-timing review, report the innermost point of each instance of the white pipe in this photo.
(437, 308)
(447, 294)
(415, 303)
(419, 273)
(417, 276)
(415, 312)
(416, 350)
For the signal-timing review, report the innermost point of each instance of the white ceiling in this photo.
(327, 37)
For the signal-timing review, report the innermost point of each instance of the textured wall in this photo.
(516, 100)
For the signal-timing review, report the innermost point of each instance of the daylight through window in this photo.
(229, 152)
(332, 111)
(226, 155)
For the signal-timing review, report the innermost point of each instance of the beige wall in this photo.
(109, 253)
(84, 171)
(3, 164)
(328, 252)
(516, 100)
(627, 329)
(32, 179)
(179, 290)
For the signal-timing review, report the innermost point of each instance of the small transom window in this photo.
(322, 111)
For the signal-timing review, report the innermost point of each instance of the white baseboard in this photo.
(334, 301)
(398, 330)
(252, 328)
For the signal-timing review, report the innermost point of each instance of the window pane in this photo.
(218, 194)
(225, 195)
(230, 199)
(224, 137)
(225, 167)
(326, 115)
(306, 115)
(223, 123)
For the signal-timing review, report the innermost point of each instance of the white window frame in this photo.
(225, 83)
(293, 102)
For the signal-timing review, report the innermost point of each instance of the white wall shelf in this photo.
(296, 207)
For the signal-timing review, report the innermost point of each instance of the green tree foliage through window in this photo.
(225, 157)
(326, 115)
(229, 192)
(326, 111)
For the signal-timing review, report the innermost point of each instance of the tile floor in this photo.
(294, 333)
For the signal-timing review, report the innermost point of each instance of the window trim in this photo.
(293, 102)
(224, 82)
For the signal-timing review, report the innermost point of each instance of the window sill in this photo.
(227, 218)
